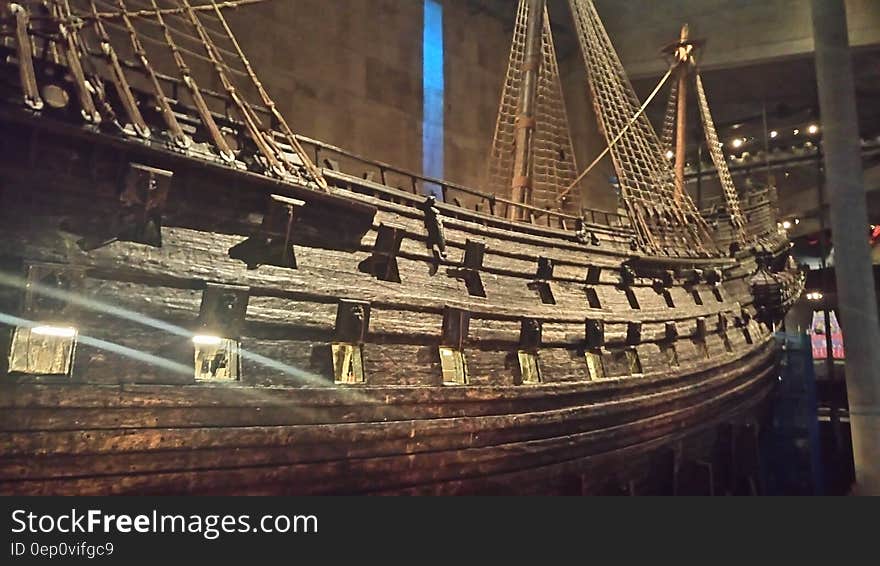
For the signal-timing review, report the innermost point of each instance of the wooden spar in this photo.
(525, 120)
(683, 55)
(25, 57)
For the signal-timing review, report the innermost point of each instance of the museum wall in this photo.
(349, 72)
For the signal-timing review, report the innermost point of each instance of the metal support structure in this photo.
(824, 246)
(525, 121)
(857, 301)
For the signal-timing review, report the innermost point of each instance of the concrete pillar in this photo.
(849, 224)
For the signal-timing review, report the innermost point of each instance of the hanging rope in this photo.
(666, 138)
(663, 223)
(194, 91)
(617, 138)
(730, 195)
(174, 130)
(270, 104)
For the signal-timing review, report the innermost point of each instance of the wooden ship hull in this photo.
(374, 343)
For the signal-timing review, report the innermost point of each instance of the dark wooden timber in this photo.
(680, 350)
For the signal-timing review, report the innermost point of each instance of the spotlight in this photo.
(669, 154)
(206, 340)
(814, 296)
(797, 220)
(812, 129)
(786, 224)
(737, 142)
(59, 331)
(773, 133)
(796, 131)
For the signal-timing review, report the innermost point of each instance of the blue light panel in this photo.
(432, 88)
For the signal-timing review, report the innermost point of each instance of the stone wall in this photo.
(349, 72)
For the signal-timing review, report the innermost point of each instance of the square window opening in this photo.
(529, 369)
(670, 354)
(717, 293)
(667, 296)
(635, 364)
(43, 350)
(453, 365)
(698, 300)
(595, 367)
(348, 363)
(217, 359)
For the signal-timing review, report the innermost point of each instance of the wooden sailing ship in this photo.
(195, 299)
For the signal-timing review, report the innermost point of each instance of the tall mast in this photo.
(525, 121)
(682, 60)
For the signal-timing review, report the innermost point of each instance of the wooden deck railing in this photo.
(327, 156)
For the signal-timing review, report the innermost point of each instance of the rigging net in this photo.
(151, 47)
(731, 197)
(553, 162)
(663, 223)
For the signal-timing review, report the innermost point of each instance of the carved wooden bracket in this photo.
(471, 265)
(222, 311)
(627, 275)
(272, 246)
(633, 333)
(456, 325)
(530, 332)
(382, 264)
(594, 333)
(352, 321)
(139, 215)
(541, 284)
(701, 329)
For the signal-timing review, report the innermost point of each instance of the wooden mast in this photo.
(525, 121)
(682, 56)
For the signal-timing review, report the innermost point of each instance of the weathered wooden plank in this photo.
(371, 474)
(362, 407)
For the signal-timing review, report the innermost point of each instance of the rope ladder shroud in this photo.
(646, 178)
(145, 45)
(553, 164)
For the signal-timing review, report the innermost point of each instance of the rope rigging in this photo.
(171, 45)
(553, 164)
(664, 223)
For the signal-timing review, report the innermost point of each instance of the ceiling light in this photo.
(773, 133)
(796, 131)
(786, 224)
(797, 220)
(59, 331)
(737, 142)
(669, 154)
(812, 129)
(206, 340)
